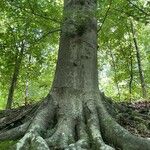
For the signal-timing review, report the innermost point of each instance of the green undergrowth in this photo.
(6, 145)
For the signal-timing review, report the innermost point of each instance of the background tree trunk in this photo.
(115, 71)
(141, 74)
(27, 81)
(18, 60)
(131, 75)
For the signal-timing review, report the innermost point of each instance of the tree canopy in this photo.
(36, 25)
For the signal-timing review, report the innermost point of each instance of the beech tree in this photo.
(73, 115)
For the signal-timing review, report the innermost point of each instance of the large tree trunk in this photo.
(72, 116)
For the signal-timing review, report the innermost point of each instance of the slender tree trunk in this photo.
(26, 92)
(129, 62)
(18, 60)
(27, 82)
(115, 71)
(131, 75)
(141, 74)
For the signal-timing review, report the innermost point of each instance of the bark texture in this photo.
(73, 115)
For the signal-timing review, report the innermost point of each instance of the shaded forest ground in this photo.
(135, 117)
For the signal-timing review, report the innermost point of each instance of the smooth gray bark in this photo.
(77, 57)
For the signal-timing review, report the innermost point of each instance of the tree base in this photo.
(57, 127)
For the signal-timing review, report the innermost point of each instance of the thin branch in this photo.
(46, 34)
(40, 15)
(36, 14)
(136, 6)
(105, 17)
(126, 13)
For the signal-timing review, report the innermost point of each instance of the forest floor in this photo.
(135, 117)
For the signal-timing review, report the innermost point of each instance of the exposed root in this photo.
(14, 116)
(38, 127)
(14, 133)
(82, 141)
(117, 135)
(63, 135)
(94, 129)
(31, 141)
(69, 135)
(79, 145)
